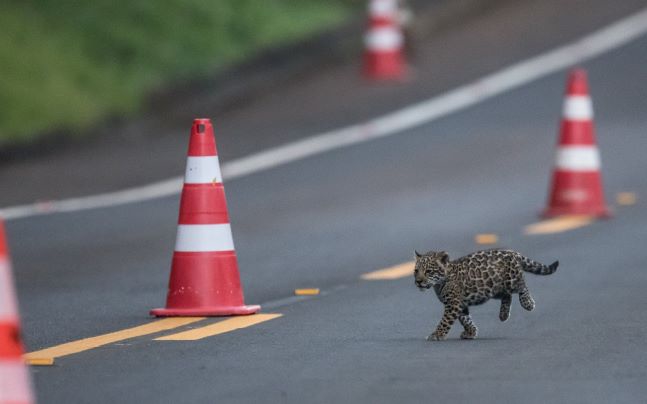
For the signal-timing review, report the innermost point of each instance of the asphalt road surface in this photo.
(324, 221)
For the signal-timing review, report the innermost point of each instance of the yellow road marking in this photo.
(486, 238)
(626, 198)
(394, 272)
(40, 361)
(220, 327)
(306, 292)
(558, 224)
(85, 344)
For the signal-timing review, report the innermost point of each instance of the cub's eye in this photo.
(427, 271)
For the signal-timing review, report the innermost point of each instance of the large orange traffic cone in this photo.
(577, 183)
(383, 55)
(15, 381)
(204, 274)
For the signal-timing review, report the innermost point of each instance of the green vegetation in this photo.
(67, 64)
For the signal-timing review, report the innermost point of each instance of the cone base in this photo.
(600, 212)
(220, 311)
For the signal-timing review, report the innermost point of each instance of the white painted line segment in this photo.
(204, 238)
(202, 170)
(578, 158)
(588, 47)
(578, 108)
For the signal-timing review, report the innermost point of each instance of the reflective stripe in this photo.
(204, 237)
(383, 39)
(578, 158)
(8, 308)
(202, 170)
(15, 382)
(578, 108)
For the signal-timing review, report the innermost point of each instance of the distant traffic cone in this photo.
(577, 183)
(383, 55)
(15, 381)
(204, 277)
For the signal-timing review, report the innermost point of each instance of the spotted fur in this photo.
(473, 280)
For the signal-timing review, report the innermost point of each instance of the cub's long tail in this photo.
(536, 268)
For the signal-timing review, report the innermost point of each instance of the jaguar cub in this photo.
(474, 279)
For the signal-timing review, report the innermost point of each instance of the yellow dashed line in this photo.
(40, 361)
(626, 198)
(486, 238)
(558, 224)
(306, 292)
(220, 327)
(395, 272)
(85, 344)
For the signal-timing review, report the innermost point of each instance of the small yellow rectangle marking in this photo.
(486, 238)
(559, 224)
(220, 327)
(85, 344)
(40, 361)
(394, 272)
(626, 198)
(306, 292)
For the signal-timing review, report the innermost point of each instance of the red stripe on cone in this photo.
(203, 204)
(204, 279)
(15, 381)
(383, 55)
(576, 186)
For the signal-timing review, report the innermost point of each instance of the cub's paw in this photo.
(471, 334)
(503, 316)
(435, 337)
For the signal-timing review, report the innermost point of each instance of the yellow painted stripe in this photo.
(558, 224)
(395, 272)
(306, 292)
(626, 198)
(40, 361)
(85, 344)
(220, 327)
(487, 238)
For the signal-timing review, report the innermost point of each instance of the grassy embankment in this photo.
(65, 65)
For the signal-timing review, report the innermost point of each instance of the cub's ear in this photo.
(444, 257)
(417, 253)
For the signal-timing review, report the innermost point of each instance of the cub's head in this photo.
(430, 268)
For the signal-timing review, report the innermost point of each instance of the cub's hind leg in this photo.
(466, 321)
(506, 303)
(526, 300)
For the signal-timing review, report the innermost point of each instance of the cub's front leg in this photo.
(452, 309)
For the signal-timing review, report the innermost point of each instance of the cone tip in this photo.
(577, 82)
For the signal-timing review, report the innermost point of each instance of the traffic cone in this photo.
(383, 55)
(15, 381)
(204, 277)
(577, 182)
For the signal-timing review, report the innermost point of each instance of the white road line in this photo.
(590, 46)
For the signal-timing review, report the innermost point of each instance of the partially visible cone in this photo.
(383, 55)
(577, 182)
(15, 381)
(204, 277)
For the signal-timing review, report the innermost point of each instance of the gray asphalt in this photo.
(324, 221)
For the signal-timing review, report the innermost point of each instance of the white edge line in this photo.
(588, 47)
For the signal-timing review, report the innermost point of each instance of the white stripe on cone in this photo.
(202, 170)
(578, 108)
(8, 309)
(204, 238)
(15, 386)
(382, 8)
(578, 158)
(383, 39)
